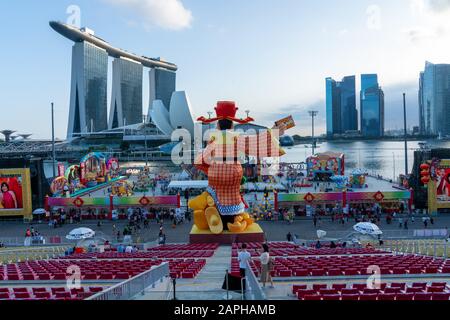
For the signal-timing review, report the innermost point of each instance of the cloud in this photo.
(438, 5)
(432, 20)
(166, 14)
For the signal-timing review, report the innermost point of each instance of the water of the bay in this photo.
(385, 158)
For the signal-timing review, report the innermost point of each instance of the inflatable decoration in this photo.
(358, 178)
(221, 206)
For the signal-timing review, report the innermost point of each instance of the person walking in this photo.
(266, 266)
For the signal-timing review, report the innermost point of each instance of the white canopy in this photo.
(189, 184)
(80, 233)
(367, 228)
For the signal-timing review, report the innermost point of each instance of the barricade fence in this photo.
(131, 288)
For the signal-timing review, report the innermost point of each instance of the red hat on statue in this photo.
(226, 110)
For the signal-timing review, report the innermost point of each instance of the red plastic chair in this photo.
(441, 296)
(312, 297)
(405, 296)
(386, 296)
(350, 297)
(423, 296)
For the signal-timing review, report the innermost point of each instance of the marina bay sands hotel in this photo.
(88, 94)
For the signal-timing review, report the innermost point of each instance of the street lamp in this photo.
(313, 114)
(53, 143)
(406, 133)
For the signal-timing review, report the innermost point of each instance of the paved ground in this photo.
(275, 230)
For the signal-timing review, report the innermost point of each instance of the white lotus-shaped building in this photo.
(178, 115)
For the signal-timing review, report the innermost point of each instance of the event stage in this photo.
(253, 234)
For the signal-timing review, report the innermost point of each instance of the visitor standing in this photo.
(289, 237)
(266, 266)
(243, 258)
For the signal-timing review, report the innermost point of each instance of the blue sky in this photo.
(271, 56)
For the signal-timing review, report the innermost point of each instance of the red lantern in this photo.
(424, 173)
(424, 166)
(425, 179)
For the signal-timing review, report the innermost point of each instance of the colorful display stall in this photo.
(322, 166)
(435, 175)
(93, 171)
(357, 179)
(288, 200)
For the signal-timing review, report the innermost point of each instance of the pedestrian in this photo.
(406, 224)
(243, 257)
(266, 266)
(315, 221)
(289, 237)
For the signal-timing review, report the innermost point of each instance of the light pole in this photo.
(53, 143)
(393, 162)
(313, 114)
(406, 133)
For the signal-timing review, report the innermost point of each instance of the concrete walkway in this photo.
(208, 283)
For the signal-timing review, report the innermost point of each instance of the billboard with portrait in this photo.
(443, 183)
(15, 192)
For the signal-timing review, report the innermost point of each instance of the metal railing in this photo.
(34, 241)
(130, 288)
(436, 248)
(395, 234)
(253, 290)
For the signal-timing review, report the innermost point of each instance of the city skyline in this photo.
(216, 47)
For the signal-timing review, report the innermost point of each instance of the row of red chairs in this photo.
(54, 293)
(93, 269)
(392, 291)
(291, 252)
(351, 266)
(143, 255)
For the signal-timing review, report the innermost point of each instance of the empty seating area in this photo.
(387, 291)
(45, 293)
(350, 265)
(119, 269)
(170, 251)
(283, 249)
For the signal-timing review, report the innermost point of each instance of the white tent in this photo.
(80, 233)
(188, 184)
(367, 228)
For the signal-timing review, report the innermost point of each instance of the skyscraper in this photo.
(126, 100)
(88, 101)
(434, 99)
(162, 85)
(372, 106)
(421, 106)
(341, 110)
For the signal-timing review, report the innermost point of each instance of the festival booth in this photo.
(302, 200)
(322, 166)
(338, 190)
(94, 172)
(73, 187)
(435, 175)
(113, 202)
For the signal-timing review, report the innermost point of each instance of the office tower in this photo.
(88, 101)
(126, 100)
(162, 85)
(341, 110)
(434, 99)
(372, 106)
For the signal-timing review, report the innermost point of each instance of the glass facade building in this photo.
(341, 110)
(372, 106)
(434, 99)
(162, 85)
(126, 100)
(88, 98)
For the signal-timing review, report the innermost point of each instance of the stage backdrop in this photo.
(15, 193)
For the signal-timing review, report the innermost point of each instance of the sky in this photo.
(270, 56)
